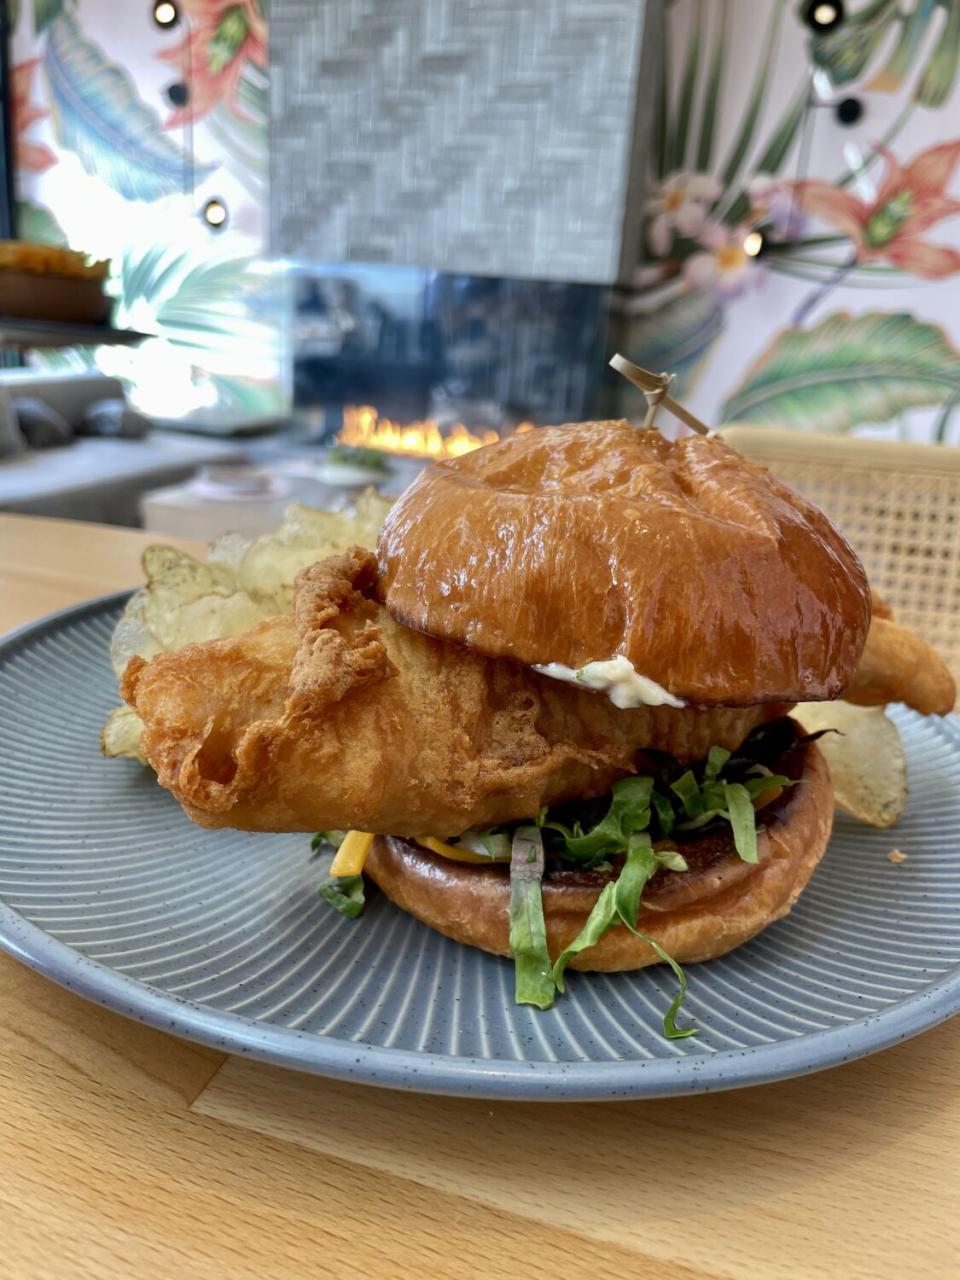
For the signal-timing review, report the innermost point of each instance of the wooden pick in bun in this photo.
(719, 903)
(571, 545)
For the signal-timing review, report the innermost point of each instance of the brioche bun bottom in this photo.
(693, 915)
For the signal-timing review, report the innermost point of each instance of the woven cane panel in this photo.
(496, 138)
(899, 504)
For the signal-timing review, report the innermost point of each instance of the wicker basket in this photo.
(899, 504)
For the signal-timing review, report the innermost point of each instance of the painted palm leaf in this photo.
(243, 138)
(678, 140)
(907, 49)
(846, 371)
(253, 94)
(775, 151)
(711, 96)
(676, 335)
(44, 12)
(206, 305)
(250, 396)
(99, 116)
(682, 140)
(661, 124)
(209, 304)
(243, 146)
(35, 222)
(847, 51)
(940, 74)
(754, 106)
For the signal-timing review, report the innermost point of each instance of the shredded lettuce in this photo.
(670, 1028)
(638, 867)
(638, 812)
(629, 812)
(664, 811)
(690, 794)
(672, 859)
(743, 820)
(600, 919)
(643, 809)
(528, 930)
(717, 757)
(323, 838)
(491, 843)
(343, 893)
(767, 782)
(619, 903)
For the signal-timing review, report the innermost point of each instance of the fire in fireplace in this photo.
(401, 359)
(364, 428)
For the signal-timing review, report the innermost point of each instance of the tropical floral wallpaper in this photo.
(800, 270)
(801, 262)
(123, 132)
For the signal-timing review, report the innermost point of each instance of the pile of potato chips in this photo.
(242, 581)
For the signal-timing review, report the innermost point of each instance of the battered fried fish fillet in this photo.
(897, 666)
(339, 717)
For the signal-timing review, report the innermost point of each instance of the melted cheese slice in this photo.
(452, 851)
(352, 854)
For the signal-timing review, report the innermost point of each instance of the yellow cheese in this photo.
(352, 854)
(453, 852)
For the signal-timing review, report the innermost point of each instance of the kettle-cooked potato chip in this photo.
(865, 757)
(242, 581)
(120, 735)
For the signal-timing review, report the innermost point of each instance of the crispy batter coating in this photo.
(879, 608)
(340, 717)
(337, 716)
(897, 666)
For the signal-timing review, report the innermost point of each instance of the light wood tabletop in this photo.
(126, 1153)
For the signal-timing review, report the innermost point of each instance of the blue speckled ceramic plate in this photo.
(220, 936)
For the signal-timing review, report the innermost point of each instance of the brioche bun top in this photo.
(579, 543)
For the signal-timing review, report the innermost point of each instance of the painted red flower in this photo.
(223, 36)
(910, 200)
(32, 156)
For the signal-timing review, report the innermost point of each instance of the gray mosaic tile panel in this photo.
(494, 138)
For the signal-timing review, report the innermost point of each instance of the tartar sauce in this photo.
(619, 679)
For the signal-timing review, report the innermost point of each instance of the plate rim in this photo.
(495, 1078)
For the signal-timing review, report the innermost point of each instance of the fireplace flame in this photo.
(363, 427)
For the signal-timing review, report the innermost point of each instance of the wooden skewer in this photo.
(654, 397)
(654, 386)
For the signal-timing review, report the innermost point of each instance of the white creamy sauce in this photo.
(618, 679)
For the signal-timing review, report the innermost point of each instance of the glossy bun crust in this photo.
(715, 906)
(573, 544)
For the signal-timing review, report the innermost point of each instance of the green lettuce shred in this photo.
(601, 918)
(619, 903)
(743, 820)
(332, 838)
(343, 893)
(628, 813)
(690, 794)
(717, 757)
(534, 982)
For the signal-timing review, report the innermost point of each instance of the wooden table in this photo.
(126, 1153)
